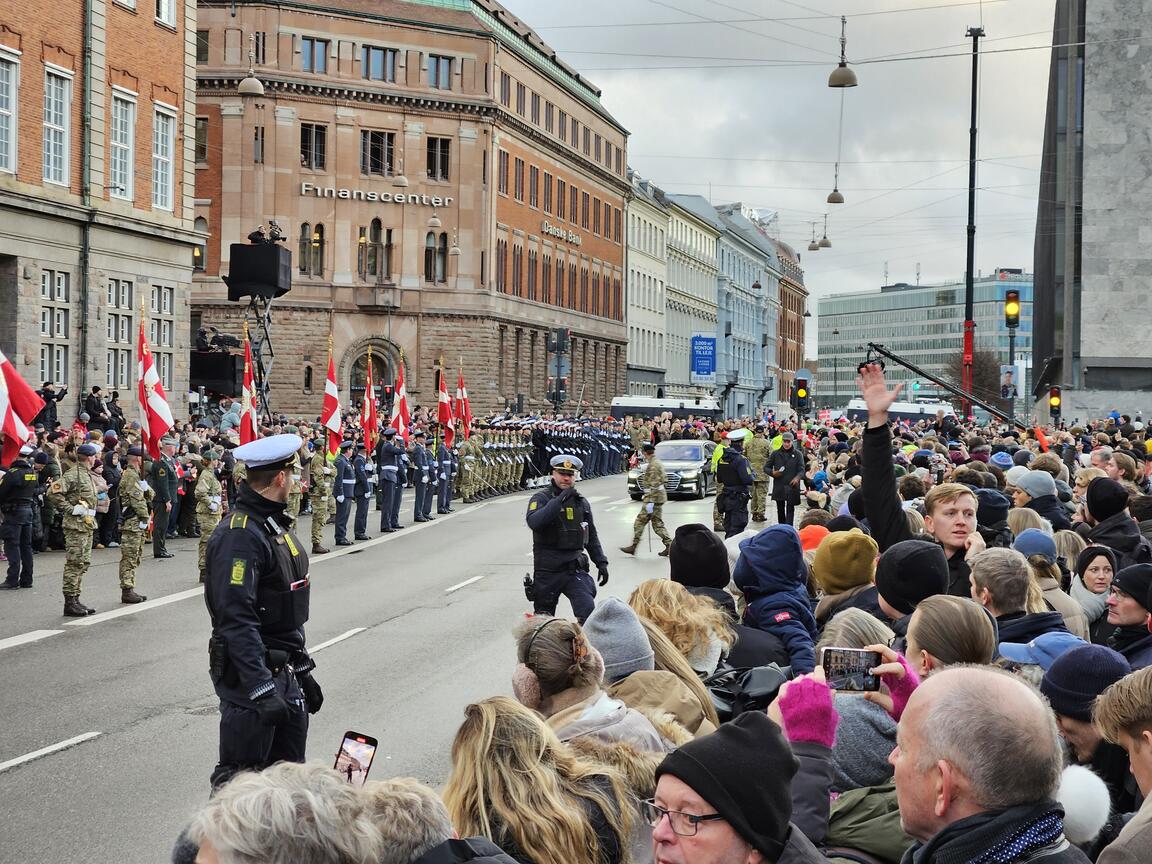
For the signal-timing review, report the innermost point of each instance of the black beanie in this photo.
(991, 507)
(1078, 676)
(911, 571)
(1136, 582)
(744, 769)
(856, 504)
(843, 523)
(698, 558)
(1084, 559)
(1105, 498)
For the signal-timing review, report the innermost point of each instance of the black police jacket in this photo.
(17, 489)
(257, 593)
(562, 528)
(733, 470)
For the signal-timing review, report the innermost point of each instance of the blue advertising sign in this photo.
(703, 361)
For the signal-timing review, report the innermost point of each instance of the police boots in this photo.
(73, 608)
(129, 595)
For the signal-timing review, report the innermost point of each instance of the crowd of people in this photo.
(1000, 581)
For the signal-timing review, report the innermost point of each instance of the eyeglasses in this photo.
(683, 824)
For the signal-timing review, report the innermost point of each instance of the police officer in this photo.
(257, 597)
(17, 489)
(343, 485)
(562, 528)
(734, 472)
(388, 457)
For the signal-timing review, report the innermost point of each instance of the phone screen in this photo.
(355, 757)
(847, 669)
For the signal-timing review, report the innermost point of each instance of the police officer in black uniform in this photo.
(257, 596)
(562, 529)
(736, 474)
(17, 489)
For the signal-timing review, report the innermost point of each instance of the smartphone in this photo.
(848, 669)
(355, 757)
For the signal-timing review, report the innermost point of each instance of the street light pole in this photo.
(969, 291)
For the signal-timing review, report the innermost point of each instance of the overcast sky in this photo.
(741, 111)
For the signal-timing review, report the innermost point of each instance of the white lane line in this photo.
(408, 531)
(336, 639)
(25, 638)
(460, 585)
(595, 498)
(133, 609)
(45, 751)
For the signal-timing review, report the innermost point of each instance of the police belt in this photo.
(13, 506)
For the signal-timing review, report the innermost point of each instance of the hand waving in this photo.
(876, 394)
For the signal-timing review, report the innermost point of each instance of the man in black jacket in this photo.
(1000, 579)
(165, 484)
(48, 414)
(786, 466)
(96, 409)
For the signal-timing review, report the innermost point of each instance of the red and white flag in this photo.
(400, 416)
(444, 410)
(369, 422)
(463, 409)
(19, 406)
(248, 412)
(330, 414)
(155, 415)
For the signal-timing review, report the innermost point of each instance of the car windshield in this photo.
(676, 452)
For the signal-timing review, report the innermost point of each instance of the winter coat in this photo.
(1023, 627)
(773, 577)
(1073, 613)
(1135, 643)
(663, 693)
(1051, 509)
(868, 820)
(607, 719)
(1132, 846)
(756, 648)
(1122, 535)
(973, 837)
(865, 735)
(864, 597)
(467, 850)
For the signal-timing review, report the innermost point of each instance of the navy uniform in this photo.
(388, 457)
(422, 468)
(343, 489)
(736, 474)
(257, 593)
(362, 490)
(165, 484)
(17, 490)
(562, 529)
(446, 465)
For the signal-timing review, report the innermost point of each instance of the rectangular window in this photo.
(46, 321)
(438, 150)
(59, 365)
(561, 190)
(378, 64)
(505, 89)
(596, 148)
(166, 12)
(619, 161)
(547, 192)
(314, 54)
(585, 208)
(122, 146)
(201, 46)
(201, 141)
(502, 172)
(163, 168)
(439, 72)
(518, 181)
(616, 215)
(587, 141)
(377, 151)
(575, 133)
(61, 282)
(57, 127)
(608, 154)
(536, 108)
(521, 91)
(9, 80)
(549, 118)
(258, 145)
(574, 210)
(533, 186)
(595, 215)
(313, 146)
(562, 126)
(607, 218)
(261, 41)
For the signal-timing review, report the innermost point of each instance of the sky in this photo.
(729, 99)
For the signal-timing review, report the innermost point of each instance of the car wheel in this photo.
(635, 496)
(702, 487)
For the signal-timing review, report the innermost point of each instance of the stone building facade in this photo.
(96, 193)
(647, 289)
(448, 187)
(693, 232)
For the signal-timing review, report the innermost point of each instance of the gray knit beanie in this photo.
(615, 631)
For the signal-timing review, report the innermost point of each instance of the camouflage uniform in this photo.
(76, 488)
(209, 510)
(652, 482)
(136, 506)
(295, 487)
(757, 451)
(320, 492)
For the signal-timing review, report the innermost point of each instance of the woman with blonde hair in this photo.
(1022, 518)
(698, 628)
(1069, 545)
(514, 782)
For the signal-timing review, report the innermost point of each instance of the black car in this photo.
(687, 466)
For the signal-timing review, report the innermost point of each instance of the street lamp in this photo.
(842, 76)
(825, 243)
(251, 85)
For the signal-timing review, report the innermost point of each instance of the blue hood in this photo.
(771, 562)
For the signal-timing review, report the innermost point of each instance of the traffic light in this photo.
(557, 391)
(792, 396)
(803, 396)
(1054, 402)
(1012, 309)
(388, 399)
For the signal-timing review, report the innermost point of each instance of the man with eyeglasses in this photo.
(726, 798)
(1128, 612)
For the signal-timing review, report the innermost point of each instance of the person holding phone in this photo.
(257, 593)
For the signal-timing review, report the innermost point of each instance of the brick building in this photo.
(96, 192)
(793, 312)
(448, 186)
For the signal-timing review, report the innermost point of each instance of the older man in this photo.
(977, 763)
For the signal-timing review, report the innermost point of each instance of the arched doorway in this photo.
(383, 373)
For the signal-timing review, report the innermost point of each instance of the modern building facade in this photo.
(1093, 256)
(693, 233)
(96, 193)
(647, 295)
(923, 324)
(450, 189)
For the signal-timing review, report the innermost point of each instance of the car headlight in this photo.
(689, 475)
(633, 475)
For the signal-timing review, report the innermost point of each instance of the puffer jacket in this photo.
(1121, 534)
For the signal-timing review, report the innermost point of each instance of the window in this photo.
(122, 145)
(166, 12)
(595, 215)
(574, 210)
(616, 224)
(199, 251)
(546, 279)
(201, 46)
(371, 250)
(307, 379)
(163, 169)
(310, 250)
(378, 64)
(438, 150)
(607, 219)
(572, 285)
(562, 127)
(439, 72)
(501, 265)
(314, 54)
(377, 152)
(57, 127)
(575, 132)
(118, 356)
(258, 145)
(521, 91)
(561, 189)
(596, 148)
(313, 146)
(505, 89)
(587, 141)
(619, 161)
(9, 81)
(547, 192)
(200, 148)
(585, 207)
(502, 172)
(549, 116)
(261, 41)
(518, 181)
(534, 186)
(607, 154)
(532, 263)
(517, 270)
(536, 108)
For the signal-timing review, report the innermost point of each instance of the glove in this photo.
(808, 713)
(213, 507)
(568, 494)
(339, 499)
(650, 507)
(79, 510)
(313, 695)
(272, 708)
(143, 524)
(602, 576)
(367, 494)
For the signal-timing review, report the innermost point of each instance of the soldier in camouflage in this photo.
(758, 451)
(652, 482)
(135, 510)
(210, 505)
(74, 494)
(320, 495)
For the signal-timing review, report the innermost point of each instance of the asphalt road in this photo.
(423, 620)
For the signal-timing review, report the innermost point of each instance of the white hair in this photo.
(411, 817)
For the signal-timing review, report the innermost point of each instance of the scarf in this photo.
(1094, 605)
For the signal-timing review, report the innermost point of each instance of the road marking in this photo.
(25, 638)
(460, 585)
(336, 639)
(134, 608)
(385, 538)
(45, 751)
(596, 498)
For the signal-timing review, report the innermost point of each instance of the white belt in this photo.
(349, 482)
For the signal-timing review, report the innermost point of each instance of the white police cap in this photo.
(566, 463)
(274, 451)
(737, 435)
